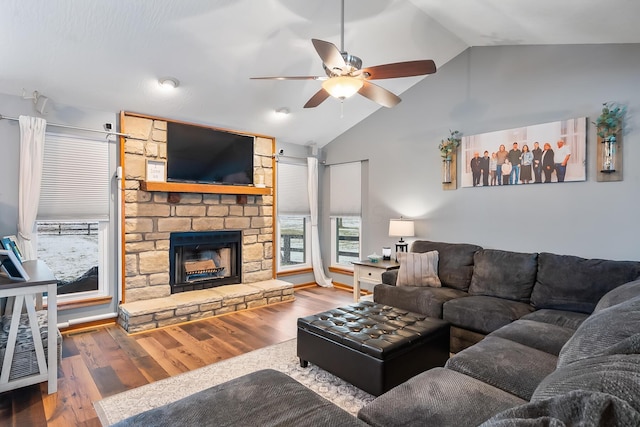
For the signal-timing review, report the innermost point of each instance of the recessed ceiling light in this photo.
(282, 111)
(168, 82)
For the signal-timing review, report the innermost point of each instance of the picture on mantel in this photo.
(538, 154)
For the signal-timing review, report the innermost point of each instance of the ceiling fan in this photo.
(346, 77)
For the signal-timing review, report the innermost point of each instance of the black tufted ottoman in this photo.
(373, 346)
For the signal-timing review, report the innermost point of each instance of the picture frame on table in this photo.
(11, 243)
(11, 266)
(156, 171)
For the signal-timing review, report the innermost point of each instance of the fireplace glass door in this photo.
(202, 260)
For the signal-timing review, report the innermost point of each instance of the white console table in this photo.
(29, 294)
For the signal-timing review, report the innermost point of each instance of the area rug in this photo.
(281, 357)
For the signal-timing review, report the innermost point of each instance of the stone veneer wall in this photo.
(151, 216)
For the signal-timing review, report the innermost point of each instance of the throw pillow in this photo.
(418, 269)
(455, 261)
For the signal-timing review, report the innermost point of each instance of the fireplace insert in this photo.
(204, 259)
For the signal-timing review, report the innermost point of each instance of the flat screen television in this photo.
(209, 156)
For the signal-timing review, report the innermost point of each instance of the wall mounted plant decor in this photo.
(448, 148)
(609, 126)
(450, 145)
(609, 122)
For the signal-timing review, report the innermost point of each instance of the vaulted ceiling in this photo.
(109, 55)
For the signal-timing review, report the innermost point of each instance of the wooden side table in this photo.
(29, 295)
(369, 272)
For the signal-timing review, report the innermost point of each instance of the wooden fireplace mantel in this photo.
(181, 187)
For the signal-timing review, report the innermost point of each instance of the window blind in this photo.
(75, 179)
(345, 189)
(293, 198)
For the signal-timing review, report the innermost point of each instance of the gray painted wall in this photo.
(492, 88)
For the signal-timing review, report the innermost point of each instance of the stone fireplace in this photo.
(204, 259)
(156, 294)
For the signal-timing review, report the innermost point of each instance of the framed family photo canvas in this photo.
(545, 153)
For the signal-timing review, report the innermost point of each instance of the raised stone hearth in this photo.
(182, 307)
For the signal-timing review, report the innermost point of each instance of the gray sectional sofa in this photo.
(542, 340)
(532, 373)
(486, 289)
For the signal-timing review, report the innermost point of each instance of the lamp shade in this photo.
(401, 228)
(342, 86)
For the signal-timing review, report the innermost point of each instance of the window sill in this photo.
(294, 272)
(341, 270)
(87, 302)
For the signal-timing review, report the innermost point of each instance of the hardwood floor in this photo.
(103, 361)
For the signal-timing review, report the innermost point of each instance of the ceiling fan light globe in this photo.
(342, 87)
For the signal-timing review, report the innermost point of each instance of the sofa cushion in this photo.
(566, 319)
(618, 295)
(418, 269)
(505, 364)
(455, 264)
(576, 408)
(265, 397)
(504, 274)
(571, 283)
(618, 375)
(423, 300)
(612, 330)
(541, 336)
(438, 397)
(483, 314)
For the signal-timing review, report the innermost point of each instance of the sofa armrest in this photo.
(389, 277)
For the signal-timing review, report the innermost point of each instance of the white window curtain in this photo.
(316, 258)
(32, 131)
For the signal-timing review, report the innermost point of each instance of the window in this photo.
(345, 240)
(345, 210)
(73, 219)
(73, 252)
(294, 234)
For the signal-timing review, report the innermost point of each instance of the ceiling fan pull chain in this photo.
(342, 108)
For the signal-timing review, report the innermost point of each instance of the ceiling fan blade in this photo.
(290, 78)
(317, 99)
(400, 69)
(329, 54)
(379, 95)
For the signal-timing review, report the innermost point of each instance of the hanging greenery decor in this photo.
(609, 122)
(450, 145)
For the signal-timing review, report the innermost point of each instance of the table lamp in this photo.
(401, 228)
